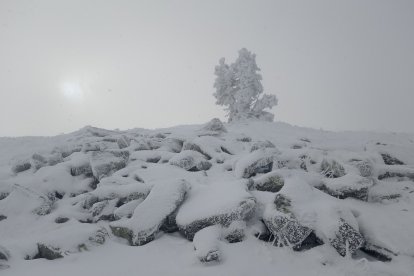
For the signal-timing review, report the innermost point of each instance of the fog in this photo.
(336, 65)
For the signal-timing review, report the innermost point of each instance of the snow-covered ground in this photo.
(252, 198)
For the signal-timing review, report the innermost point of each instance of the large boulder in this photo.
(207, 206)
(206, 244)
(106, 163)
(123, 142)
(79, 164)
(210, 147)
(171, 145)
(195, 147)
(114, 192)
(269, 182)
(327, 217)
(259, 161)
(347, 239)
(350, 185)
(163, 200)
(190, 160)
(282, 223)
(121, 188)
(48, 252)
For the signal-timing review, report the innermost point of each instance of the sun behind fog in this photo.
(72, 90)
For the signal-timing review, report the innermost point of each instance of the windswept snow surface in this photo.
(62, 193)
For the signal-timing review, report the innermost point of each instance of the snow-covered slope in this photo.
(256, 198)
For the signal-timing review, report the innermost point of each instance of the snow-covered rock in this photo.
(262, 145)
(283, 224)
(391, 160)
(21, 166)
(206, 244)
(214, 127)
(331, 221)
(163, 200)
(258, 161)
(235, 232)
(47, 252)
(270, 182)
(190, 160)
(171, 145)
(211, 205)
(106, 163)
(350, 185)
(123, 142)
(211, 147)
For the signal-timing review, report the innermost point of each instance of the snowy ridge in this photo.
(336, 203)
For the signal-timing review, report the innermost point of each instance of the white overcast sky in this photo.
(336, 65)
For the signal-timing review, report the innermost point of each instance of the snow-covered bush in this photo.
(238, 87)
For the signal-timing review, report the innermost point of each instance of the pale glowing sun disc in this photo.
(72, 90)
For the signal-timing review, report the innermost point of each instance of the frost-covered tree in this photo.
(238, 87)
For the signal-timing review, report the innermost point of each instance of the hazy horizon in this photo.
(335, 65)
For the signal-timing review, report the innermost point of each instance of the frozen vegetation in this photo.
(244, 198)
